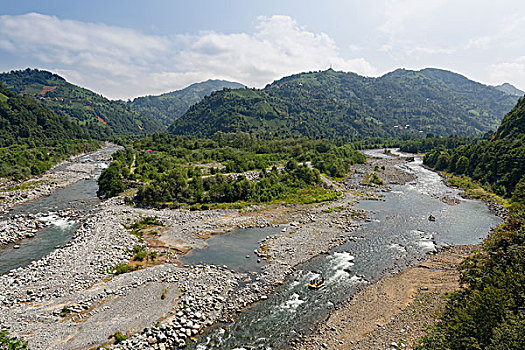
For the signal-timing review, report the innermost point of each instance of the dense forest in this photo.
(333, 104)
(497, 163)
(102, 117)
(172, 105)
(489, 311)
(33, 138)
(173, 169)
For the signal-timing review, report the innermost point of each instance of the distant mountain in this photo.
(510, 89)
(170, 106)
(82, 105)
(338, 104)
(23, 120)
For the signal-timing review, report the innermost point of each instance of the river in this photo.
(78, 198)
(398, 236)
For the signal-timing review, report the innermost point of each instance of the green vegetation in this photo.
(139, 253)
(488, 312)
(11, 343)
(510, 89)
(498, 163)
(473, 189)
(32, 138)
(164, 293)
(372, 179)
(168, 107)
(178, 171)
(65, 311)
(334, 105)
(333, 209)
(148, 221)
(118, 336)
(99, 116)
(124, 268)
(19, 162)
(432, 142)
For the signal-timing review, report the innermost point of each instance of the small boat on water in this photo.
(316, 283)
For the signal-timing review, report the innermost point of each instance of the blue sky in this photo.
(124, 49)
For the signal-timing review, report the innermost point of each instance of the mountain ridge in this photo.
(77, 103)
(169, 106)
(339, 104)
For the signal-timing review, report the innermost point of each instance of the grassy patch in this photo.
(333, 209)
(123, 268)
(118, 336)
(25, 186)
(11, 343)
(137, 228)
(473, 189)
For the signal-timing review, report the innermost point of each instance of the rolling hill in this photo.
(338, 104)
(170, 106)
(82, 105)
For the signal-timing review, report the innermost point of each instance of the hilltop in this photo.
(170, 106)
(338, 104)
(510, 89)
(88, 108)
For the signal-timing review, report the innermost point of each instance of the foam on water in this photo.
(398, 247)
(291, 304)
(63, 224)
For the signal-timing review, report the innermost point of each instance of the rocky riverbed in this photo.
(12, 194)
(70, 299)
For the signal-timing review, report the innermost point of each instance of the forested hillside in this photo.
(92, 110)
(170, 106)
(32, 137)
(22, 120)
(337, 104)
(498, 163)
(489, 311)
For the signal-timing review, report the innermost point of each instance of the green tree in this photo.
(110, 182)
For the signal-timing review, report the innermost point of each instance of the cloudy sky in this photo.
(124, 49)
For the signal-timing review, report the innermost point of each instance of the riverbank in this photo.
(71, 171)
(74, 280)
(60, 175)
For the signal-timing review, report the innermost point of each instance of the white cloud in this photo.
(429, 50)
(403, 15)
(120, 62)
(511, 71)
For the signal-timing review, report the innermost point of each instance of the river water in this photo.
(80, 197)
(399, 236)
